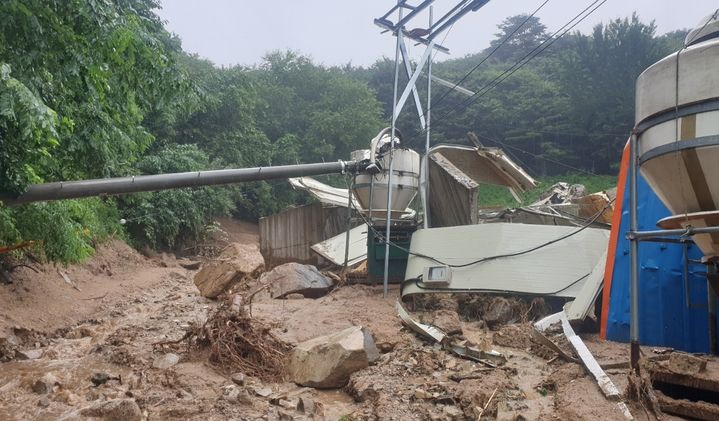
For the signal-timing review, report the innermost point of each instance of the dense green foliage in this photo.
(92, 88)
(100, 88)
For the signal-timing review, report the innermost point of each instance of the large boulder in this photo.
(499, 312)
(327, 361)
(234, 263)
(295, 278)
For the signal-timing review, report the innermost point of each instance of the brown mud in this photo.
(102, 340)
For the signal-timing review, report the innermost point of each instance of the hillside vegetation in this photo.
(100, 89)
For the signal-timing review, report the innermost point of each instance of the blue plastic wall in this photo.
(665, 319)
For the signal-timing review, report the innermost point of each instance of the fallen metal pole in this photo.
(387, 237)
(143, 183)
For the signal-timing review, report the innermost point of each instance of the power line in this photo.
(529, 57)
(507, 38)
(499, 142)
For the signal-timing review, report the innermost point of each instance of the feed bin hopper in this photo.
(677, 124)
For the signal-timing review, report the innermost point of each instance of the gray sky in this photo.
(336, 32)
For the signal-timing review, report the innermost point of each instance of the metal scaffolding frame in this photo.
(425, 36)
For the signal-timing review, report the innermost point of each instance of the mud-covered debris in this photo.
(166, 361)
(295, 278)
(235, 263)
(447, 320)
(237, 342)
(499, 312)
(114, 410)
(682, 363)
(45, 384)
(328, 361)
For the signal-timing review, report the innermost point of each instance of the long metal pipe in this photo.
(143, 183)
(688, 231)
(634, 257)
(385, 282)
(425, 174)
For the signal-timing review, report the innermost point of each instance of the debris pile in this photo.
(237, 342)
(684, 385)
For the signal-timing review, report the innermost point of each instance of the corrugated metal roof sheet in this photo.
(486, 166)
(324, 193)
(333, 249)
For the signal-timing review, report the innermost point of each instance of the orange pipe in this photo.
(22, 245)
(613, 239)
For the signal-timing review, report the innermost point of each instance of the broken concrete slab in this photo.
(295, 278)
(682, 363)
(333, 249)
(685, 385)
(327, 361)
(234, 263)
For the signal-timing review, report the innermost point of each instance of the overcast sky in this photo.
(336, 32)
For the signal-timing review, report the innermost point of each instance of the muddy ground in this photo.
(97, 336)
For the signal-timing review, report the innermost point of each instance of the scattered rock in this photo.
(262, 391)
(45, 384)
(234, 394)
(448, 321)
(295, 278)
(99, 379)
(189, 265)
(285, 415)
(499, 312)
(451, 412)
(306, 404)
(287, 404)
(682, 363)
(422, 394)
(29, 354)
(328, 361)
(239, 378)
(44, 402)
(234, 263)
(114, 410)
(385, 347)
(166, 361)
(79, 332)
